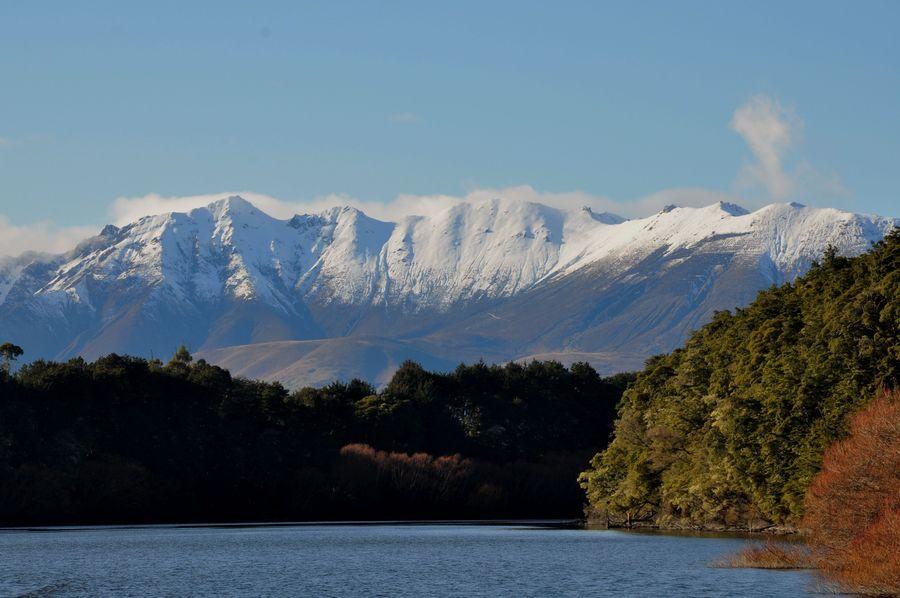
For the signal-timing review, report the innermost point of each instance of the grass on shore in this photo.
(770, 555)
(874, 573)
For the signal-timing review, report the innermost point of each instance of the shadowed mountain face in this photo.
(339, 294)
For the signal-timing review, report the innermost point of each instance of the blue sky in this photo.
(101, 101)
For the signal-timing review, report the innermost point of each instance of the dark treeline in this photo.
(125, 439)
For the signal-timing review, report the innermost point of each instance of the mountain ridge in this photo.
(497, 279)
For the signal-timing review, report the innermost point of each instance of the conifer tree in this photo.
(10, 353)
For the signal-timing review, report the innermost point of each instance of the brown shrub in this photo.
(415, 475)
(853, 505)
(371, 483)
(402, 485)
(872, 562)
(770, 555)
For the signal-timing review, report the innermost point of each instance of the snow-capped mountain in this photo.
(499, 279)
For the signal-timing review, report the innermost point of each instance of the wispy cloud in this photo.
(129, 209)
(773, 132)
(48, 237)
(5, 141)
(631, 208)
(769, 129)
(40, 236)
(406, 118)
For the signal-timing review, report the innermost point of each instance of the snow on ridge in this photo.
(10, 272)
(468, 251)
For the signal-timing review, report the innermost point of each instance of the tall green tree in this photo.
(9, 353)
(730, 428)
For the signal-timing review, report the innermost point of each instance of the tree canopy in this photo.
(730, 428)
(128, 439)
(9, 352)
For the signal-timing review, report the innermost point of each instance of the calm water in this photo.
(376, 560)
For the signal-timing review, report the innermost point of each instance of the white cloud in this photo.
(129, 209)
(773, 132)
(693, 197)
(769, 129)
(5, 141)
(634, 208)
(50, 238)
(40, 236)
(406, 118)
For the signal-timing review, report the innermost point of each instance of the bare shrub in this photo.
(770, 555)
(853, 505)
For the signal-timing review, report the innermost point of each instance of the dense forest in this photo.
(731, 429)
(124, 439)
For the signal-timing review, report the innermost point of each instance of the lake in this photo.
(377, 560)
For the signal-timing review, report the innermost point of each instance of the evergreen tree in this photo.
(730, 428)
(10, 353)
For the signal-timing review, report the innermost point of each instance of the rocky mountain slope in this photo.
(341, 294)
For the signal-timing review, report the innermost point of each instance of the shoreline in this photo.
(556, 523)
(763, 530)
(536, 522)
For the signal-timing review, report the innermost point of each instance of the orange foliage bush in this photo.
(383, 484)
(853, 505)
(872, 562)
(419, 475)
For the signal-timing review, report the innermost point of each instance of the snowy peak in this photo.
(732, 208)
(470, 251)
(493, 279)
(603, 217)
(234, 206)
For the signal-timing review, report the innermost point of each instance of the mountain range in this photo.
(339, 294)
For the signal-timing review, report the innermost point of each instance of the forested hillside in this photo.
(731, 428)
(124, 439)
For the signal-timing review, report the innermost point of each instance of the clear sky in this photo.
(761, 100)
